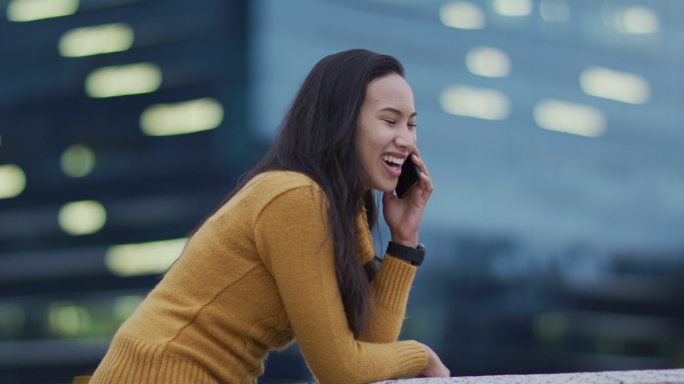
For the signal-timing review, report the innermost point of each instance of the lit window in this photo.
(615, 85)
(88, 41)
(512, 8)
(489, 62)
(481, 103)
(181, 118)
(82, 217)
(77, 161)
(572, 118)
(29, 10)
(462, 15)
(636, 19)
(12, 181)
(123, 80)
(68, 320)
(554, 10)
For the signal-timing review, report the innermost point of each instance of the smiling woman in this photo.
(289, 255)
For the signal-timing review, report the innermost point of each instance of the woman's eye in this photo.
(390, 122)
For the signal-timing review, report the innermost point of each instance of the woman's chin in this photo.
(385, 188)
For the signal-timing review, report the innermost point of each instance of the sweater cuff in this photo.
(392, 283)
(412, 358)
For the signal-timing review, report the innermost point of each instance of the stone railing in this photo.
(668, 376)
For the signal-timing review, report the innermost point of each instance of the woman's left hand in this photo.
(403, 216)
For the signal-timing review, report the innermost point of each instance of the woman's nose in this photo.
(405, 140)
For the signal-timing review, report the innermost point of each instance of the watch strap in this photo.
(413, 256)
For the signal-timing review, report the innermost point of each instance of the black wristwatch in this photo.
(413, 256)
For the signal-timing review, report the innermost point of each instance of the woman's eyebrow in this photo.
(398, 112)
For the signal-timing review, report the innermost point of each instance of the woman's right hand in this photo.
(434, 367)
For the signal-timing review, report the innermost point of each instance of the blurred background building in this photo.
(553, 130)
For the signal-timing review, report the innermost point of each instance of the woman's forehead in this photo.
(390, 93)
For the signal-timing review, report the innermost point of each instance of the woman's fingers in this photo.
(426, 182)
(434, 367)
(419, 162)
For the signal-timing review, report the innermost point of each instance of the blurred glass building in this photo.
(553, 130)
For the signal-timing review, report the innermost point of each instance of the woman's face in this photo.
(386, 132)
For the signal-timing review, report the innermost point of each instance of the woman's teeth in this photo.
(393, 160)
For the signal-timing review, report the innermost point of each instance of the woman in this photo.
(290, 256)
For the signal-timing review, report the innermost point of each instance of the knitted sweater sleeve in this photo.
(390, 292)
(293, 238)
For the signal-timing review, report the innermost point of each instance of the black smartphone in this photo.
(408, 178)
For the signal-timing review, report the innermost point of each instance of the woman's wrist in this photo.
(412, 255)
(406, 241)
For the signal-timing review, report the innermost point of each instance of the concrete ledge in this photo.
(668, 376)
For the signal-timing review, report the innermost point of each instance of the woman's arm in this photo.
(293, 237)
(391, 285)
(390, 292)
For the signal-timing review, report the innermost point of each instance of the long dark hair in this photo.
(317, 139)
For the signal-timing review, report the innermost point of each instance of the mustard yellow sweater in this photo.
(257, 274)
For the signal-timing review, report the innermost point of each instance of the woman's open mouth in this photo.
(393, 164)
